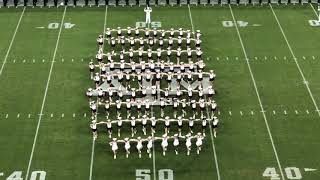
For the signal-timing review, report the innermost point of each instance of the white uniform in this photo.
(188, 142)
(150, 143)
(199, 141)
(114, 145)
(139, 146)
(149, 146)
(164, 144)
(148, 11)
(127, 145)
(176, 143)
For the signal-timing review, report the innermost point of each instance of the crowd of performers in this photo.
(157, 57)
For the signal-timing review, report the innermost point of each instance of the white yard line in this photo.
(92, 158)
(153, 154)
(258, 95)
(213, 145)
(13, 37)
(314, 10)
(295, 60)
(45, 95)
(93, 141)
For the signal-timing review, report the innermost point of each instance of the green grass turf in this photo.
(244, 150)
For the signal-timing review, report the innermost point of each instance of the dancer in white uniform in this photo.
(148, 11)
(114, 147)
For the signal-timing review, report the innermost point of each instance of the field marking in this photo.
(93, 140)
(45, 94)
(258, 95)
(12, 39)
(92, 158)
(295, 60)
(314, 10)
(211, 134)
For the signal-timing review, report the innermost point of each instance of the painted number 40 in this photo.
(291, 173)
(314, 23)
(66, 25)
(163, 174)
(231, 24)
(35, 175)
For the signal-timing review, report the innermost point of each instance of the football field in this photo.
(267, 61)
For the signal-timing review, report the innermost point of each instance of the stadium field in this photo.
(267, 62)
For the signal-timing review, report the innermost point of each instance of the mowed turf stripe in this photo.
(11, 42)
(209, 122)
(305, 82)
(22, 86)
(93, 140)
(258, 94)
(45, 95)
(64, 135)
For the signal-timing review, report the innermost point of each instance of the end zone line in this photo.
(258, 95)
(45, 94)
(93, 140)
(213, 145)
(295, 60)
(13, 37)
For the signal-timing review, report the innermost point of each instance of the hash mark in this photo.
(265, 57)
(227, 58)
(285, 57)
(24, 61)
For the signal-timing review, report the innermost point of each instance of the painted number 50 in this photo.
(163, 174)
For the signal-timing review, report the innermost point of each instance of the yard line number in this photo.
(231, 24)
(35, 175)
(314, 23)
(155, 24)
(291, 173)
(56, 25)
(163, 174)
